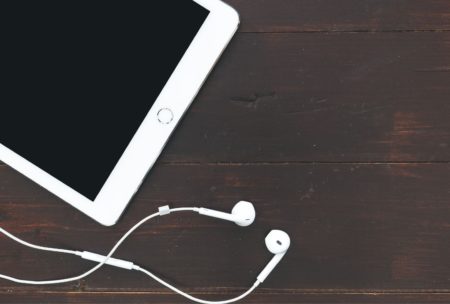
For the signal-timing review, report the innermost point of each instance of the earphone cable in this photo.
(57, 250)
(109, 256)
(194, 299)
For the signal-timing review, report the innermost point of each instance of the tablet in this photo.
(91, 90)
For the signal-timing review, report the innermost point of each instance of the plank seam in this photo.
(228, 291)
(344, 31)
(295, 163)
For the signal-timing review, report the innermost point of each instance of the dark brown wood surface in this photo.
(333, 117)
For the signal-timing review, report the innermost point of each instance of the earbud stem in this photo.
(217, 214)
(271, 266)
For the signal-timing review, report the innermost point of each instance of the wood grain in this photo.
(342, 16)
(333, 118)
(264, 297)
(323, 97)
(338, 216)
(341, 97)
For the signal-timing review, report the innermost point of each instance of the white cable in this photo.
(16, 239)
(194, 299)
(112, 251)
(92, 270)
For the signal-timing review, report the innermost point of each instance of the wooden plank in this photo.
(342, 15)
(366, 227)
(322, 97)
(269, 297)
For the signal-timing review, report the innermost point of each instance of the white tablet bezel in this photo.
(152, 135)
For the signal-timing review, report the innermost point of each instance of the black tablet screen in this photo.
(77, 78)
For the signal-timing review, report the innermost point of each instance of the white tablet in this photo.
(91, 90)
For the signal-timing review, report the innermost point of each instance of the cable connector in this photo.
(164, 210)
(90, 256)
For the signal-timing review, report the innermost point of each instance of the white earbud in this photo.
(243, 214)
(278, 243)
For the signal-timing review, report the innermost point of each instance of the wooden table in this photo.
(333, 117)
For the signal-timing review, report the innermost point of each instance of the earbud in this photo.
(243, 214)
(278, 243)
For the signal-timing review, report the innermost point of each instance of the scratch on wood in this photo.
(254, 101)
(309, 194)
(80, 286)
(437, 69)
(318, 101)
(311, 107)
(365, 110)
(318, 110)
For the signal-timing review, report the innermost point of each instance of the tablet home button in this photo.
(165, 116)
